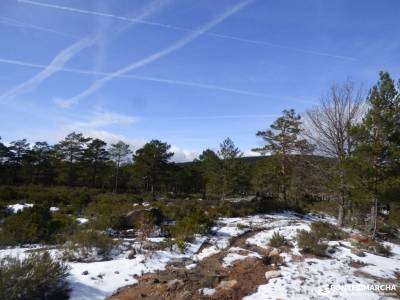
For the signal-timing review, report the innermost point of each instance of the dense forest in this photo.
(346, 150)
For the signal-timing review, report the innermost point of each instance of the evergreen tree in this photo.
(119, 153)
(151, 162)
(4, 159)
(210, 166)
(18, 152)
(70, 152)
(95, 158)
(41, 167)
(283, 141)
(377, 142)
(230, 166)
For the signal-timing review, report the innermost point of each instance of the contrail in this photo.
(174, 47)
(55, 65)
(179, 28)
(15, 23)
(58, 62)
(157, 79)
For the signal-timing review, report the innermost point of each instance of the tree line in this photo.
(346, 149)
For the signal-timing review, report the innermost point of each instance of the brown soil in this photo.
(209, 273)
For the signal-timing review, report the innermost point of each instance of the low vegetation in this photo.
(314, 241)
(328, 231)
(277, 240)
(311, 243)
(89, 245)
(29, 226)
(37, 277)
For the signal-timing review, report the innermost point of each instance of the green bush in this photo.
(31, 225)
(195, 223)
(38, 277)
(375, 247)
(328, 231)
(107, 211)
(89, 245)
(277, 240)
(310, 242)
(181, 244)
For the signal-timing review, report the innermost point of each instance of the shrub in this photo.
(195, 223)
(310, 242)
(277, 240)
(181, 244)
(31, 225)
(240, 226)
(37, 277)
(89, 245)
(375, 247)
(107, 212)
(328, 231)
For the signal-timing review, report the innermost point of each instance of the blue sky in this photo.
(187, 72)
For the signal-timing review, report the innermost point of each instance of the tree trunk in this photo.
(116, 179)
(374, 217)
(340, 221)
(342, 201)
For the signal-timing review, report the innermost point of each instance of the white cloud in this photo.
(101, 118)
(182, 155)
(96, 125)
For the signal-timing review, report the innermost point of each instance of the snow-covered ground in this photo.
(305, 278)
(19, 206)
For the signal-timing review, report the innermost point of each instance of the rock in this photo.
(274, 252)
(86, 272)
(132, 254)
(359, 239)
(116, 272)
(357, 251)
(100, 276)
(227, 284)
(272, 274)
(175, 284)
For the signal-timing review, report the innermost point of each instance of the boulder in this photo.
(86, 272)
(132, 254)
(272, 274)
(175, 284)
(227, 284)
(358, 252)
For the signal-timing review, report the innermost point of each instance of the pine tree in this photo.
(42, 169)
(210, 166)
(283, 141)
(377, 142)
(151, 162)
(70, 152)
(95, 157)
(119, 153)
(18, 151)
(229, 155)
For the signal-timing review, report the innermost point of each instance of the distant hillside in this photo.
(254, 159)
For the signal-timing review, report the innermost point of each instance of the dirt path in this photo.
(179, 283)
